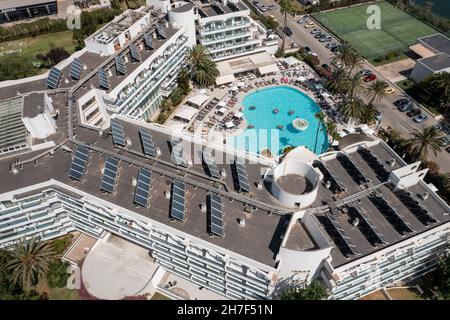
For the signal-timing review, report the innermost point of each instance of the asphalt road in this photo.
(391, 116)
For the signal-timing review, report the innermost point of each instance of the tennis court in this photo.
(398, 30)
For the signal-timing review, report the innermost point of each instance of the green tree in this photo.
(57, 275)
(369, 114)
(441, 83)
(354, 61)
(344, 54)
(332, 131)
(377, 91)
(285, 8)
(443, 280)
(352, 108)
(183, 81)
(354, 85)
(316, 290)
(422, 141)
(204, 70)
(320, 116)
(30, 261)
(338, 81)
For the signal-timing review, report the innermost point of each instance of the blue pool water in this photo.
(265, 133)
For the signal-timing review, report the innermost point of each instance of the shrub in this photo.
(61, 244)
(57, 275)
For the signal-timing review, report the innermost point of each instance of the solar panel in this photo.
(109, 178)
(142, 192)
(135, 55)
(76, 68)
(352, 169)
(336, 185)
(177, 210)
(391, 215)
(212, 167)
(216, 214)
(53, 78)
(242, 175)
(147, 143)
(118, 135)
(161, 30)
(416, 208)
(78, 166)
(177, 154)
(343, 238)
(366, 226)
(103, 79)
(148, 41)
(120, 67)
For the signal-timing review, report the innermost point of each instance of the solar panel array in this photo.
(336, 185)
(242, 175)
(213, 170)
(391, 215)
(416, 208)
(53, 78)
(161, 30)
(177, 154)
(109, 178)
(142, 192)
(352, 169)
(120, 67)
(341, 239)
(78, 166)
(148, 41)
(177, 208)
(369, 230)
(373, 162)
(76, 68)
(135, 55)
(147, 143)
(216, 214)
(118, 135)
(103, 79)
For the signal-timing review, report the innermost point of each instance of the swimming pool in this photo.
(269, 114)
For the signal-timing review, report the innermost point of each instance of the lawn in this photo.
(404, 294)
(56, 293)
(159, 296)
(32, 46)
(398, 30)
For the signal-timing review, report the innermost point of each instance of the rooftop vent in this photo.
(328, 184)
(355, 222)
(223, 173)
(133, 182)
(392, 162)
(202, 208)
(241, 222)
(424, 196)
(167, 194)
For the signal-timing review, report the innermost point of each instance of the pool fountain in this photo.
(300, 124)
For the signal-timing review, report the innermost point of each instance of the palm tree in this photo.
(30, 261)
(369, 114)
(332, 131)
(343, 54)
(441, 82)
(376, 91)
(354, 61)
(338, 81)
(429, 138)
(204, 70)
(286, 7)
(321, 117)
(355, 84)
(352, 108)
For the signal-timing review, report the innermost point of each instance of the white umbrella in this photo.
(235, 88)
(229, 124)
(238, 115)
(241, 84)
(222, 103)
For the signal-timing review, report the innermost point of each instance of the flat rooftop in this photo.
(437, 42)
(385, 214)
(438, 62)
(209, 8)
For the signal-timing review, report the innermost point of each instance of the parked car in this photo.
(413, 112)
(331, 45)
(326, 67)
(334, 49)
(389, 90)
(369, 78)
(310, 25)
(300, 21)
(288, 31)
(316, 31)
(318, 35)
(308, 50)
(405, 107)
(401, 102)
(366, 72)
(326, 39)
(271, 7)
(378, 116)
(447, 149)
(445, 141)
(420, 118)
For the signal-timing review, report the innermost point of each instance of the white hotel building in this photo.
(358, 219)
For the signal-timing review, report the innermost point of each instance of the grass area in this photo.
(63, 294)
(159, 296)
(377, 295)
(32, 46)
(404, 294)
(377, 63)
(398, 29)
(406, 84)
